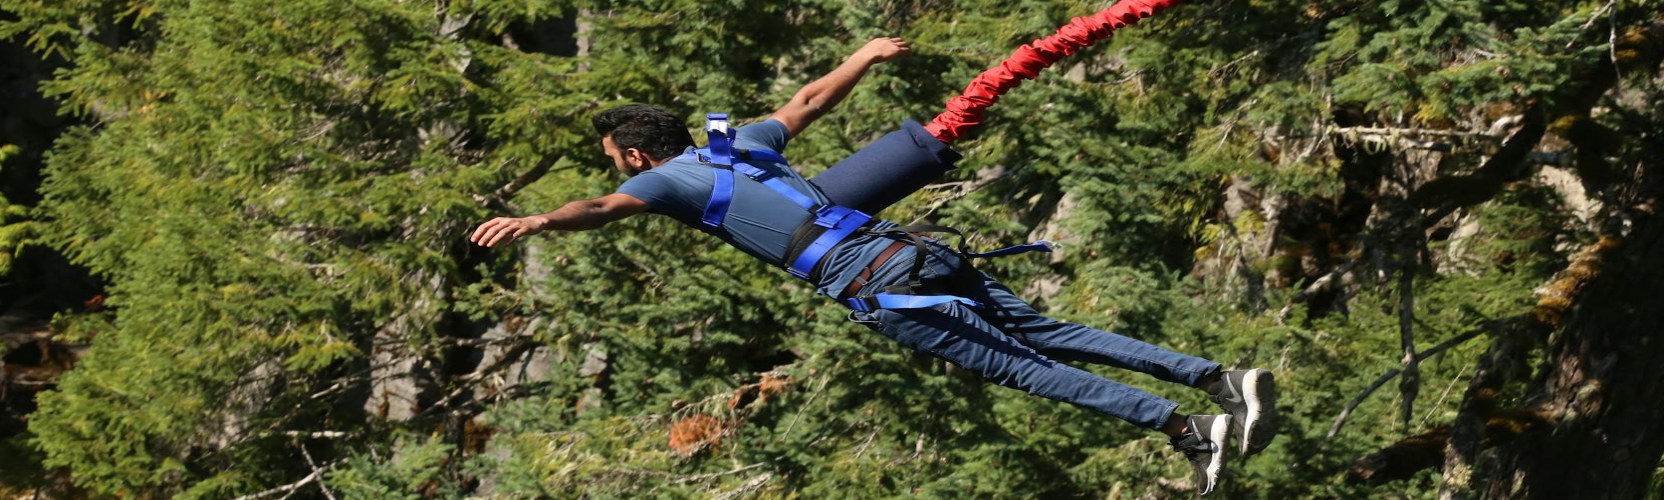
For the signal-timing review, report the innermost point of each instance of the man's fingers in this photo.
(483, 235)
(479, 233)
(505, 234)
(491, 232)
(513, 235)
(898, 47)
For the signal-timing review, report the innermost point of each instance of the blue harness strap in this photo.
(885, 300)
(838, 222)
(719, 153)
(722, 194)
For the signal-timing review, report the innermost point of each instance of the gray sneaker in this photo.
(1250, 397)
(1204, 447)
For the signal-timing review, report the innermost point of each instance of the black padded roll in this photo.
(887, 170)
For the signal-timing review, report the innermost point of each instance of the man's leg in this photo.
(1248, 395)
(887, 170)
(1074, 342)
(954, 333)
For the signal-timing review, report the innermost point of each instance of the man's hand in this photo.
(884, 49)
(505, 230)
(819, 96)
(580, 215)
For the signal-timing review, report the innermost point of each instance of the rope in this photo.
(965, 111)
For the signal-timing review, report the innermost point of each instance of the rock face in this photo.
(400, 388)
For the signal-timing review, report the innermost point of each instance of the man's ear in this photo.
(637, 159)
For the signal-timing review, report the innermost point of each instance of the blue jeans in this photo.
(1011, 344)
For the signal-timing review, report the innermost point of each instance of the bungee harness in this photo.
(831, 224)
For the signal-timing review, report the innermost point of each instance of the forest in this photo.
(234, 256)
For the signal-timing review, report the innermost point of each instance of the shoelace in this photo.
(1191, 445)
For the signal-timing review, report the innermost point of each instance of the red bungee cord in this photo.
(965, 111)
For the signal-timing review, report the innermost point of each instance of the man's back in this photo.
(760, 221)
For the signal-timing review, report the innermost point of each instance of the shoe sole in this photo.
(1219, 433)
(1259, 425)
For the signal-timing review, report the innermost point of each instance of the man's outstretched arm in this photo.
(579, 215)
(819, 96)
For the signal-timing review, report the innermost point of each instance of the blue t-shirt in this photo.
(760, 221)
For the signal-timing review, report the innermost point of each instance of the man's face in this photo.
(629, 162)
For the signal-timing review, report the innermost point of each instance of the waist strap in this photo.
(866, 272)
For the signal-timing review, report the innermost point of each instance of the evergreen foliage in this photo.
(14, 225)
(278, 195)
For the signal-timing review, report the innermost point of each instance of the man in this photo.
(1001, 337)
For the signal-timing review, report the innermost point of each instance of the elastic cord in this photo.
(964, 112)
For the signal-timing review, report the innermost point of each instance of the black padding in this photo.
(887, 170)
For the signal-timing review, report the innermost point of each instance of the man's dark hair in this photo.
(647, 128)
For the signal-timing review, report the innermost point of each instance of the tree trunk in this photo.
(1600, 388)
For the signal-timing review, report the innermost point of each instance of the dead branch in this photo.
(750, 486)
(317, 474)
(1319, 285)
(963, 189)
(713, 475)
(1340, 421)
(316, 471)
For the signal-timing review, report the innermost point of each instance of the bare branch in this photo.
(1410, 385)
(1347, 412)
(498, 200)
(1340, 421)
(316, 471)
(316, 474)
(713, 475)
(749, 487)
(317, 434)
(818, 389)
(964, 188)
(1318, 286)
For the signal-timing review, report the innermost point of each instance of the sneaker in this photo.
(1250, 397)
(1204, 447)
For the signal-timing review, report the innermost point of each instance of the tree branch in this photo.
(1340, 421)
(317, 473)
(498, 200)
(1410, 385)
(1318, 286)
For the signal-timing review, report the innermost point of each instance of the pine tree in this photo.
(1447, 200)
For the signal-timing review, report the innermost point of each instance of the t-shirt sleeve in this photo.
(650, 187)
(768, 134)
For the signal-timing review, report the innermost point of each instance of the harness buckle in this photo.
(721, 143)
(863, 304)
(716, 122)
(756, 174)
(830, 216)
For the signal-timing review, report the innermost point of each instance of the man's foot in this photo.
(1250, 397)
(1204, 447)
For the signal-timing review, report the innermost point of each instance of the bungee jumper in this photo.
(915, 290)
